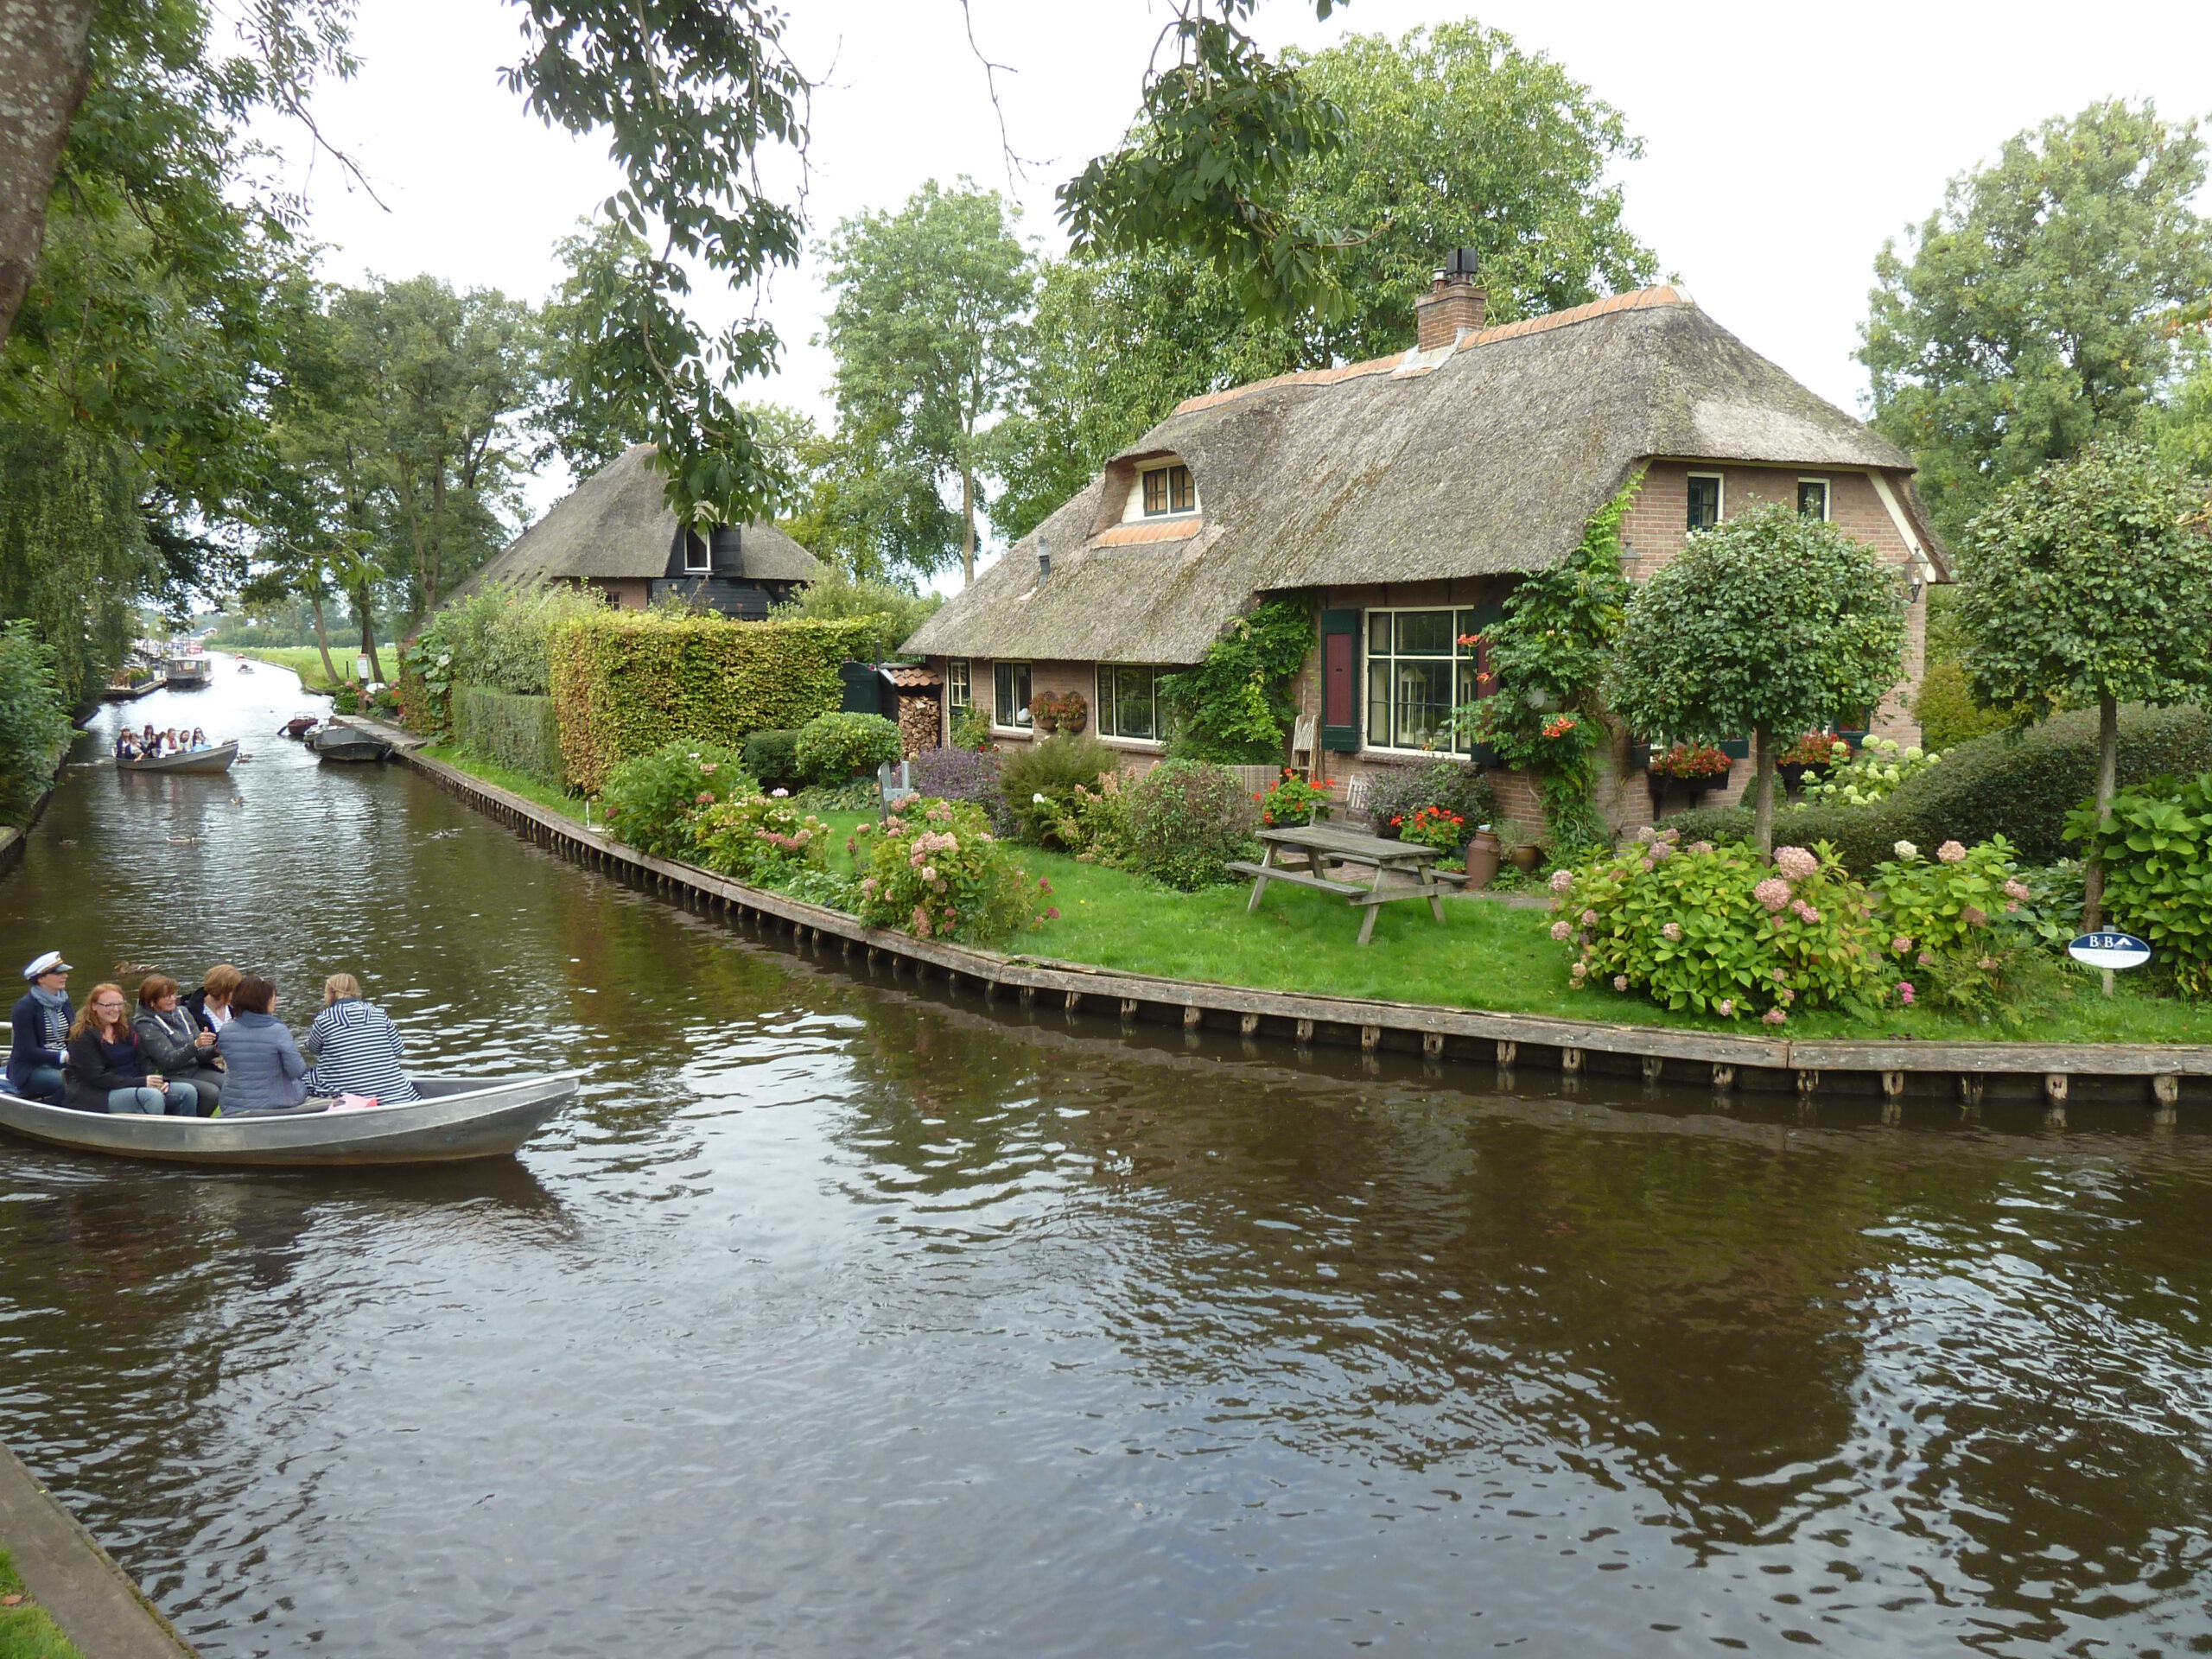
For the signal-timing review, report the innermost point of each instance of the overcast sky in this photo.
(1784, 142)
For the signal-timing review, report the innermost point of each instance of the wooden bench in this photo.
(1264, 873)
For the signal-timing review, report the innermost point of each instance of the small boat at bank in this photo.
(457, 1118)
(125, 688)
(218, 759)
(339, 742)
(188, 673)
(299, 726)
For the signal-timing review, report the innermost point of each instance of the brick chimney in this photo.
(1453, 301)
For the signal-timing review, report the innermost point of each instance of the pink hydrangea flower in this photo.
(1780, 975)
(1642, 832)
(1924, 959)
(1795, 863)
(1043, 886)
(1950, 852)
(778, 794)
(1902, 943)
(1562, 931)
(1577, 970)
(1972, 917)
(1589, 918)
(1906, 995)
(1701, 846)
(1785, 995)
(1804, 911)
(1052, 913)
(1987, 965)
(1672, 931)
(1774, 1017)
(702, 797)
(1773, 892)
(1661, 851)
(2017, 890)
(1561, 880)
(1725, 1007)
(1620, 982)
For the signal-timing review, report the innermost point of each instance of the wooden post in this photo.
(1305, 1031)
(1570, 1061)
(1507, 1053)
(1808, 1081)
(1432, 1043)
(1128, 1010)
(1193, 1017)
(1653, 1066)
(1724, 1077)
(1029, 996)
(1075, 1000)
(1371, 1038)
(2054, 1091)
(2165, 1089)
(1249, 1026)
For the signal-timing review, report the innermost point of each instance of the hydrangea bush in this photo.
(650, 802)
(760, 839)
(1868, 775)
(1716, 930)
(1961, 925)
(936, 871)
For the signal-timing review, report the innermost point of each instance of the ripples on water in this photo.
(840, 1321)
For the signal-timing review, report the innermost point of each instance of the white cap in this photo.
(51, 963)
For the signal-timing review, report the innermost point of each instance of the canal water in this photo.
(837, 1319)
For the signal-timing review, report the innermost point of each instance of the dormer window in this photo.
(696, 555)
(1169, 489)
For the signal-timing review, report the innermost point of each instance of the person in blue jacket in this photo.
(41, 1032)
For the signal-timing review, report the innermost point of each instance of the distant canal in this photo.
(840, 1319)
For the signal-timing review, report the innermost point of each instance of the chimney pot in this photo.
(1454, 302)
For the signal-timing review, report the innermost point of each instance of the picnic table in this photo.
(1320, 845)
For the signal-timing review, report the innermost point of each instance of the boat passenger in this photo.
(41, 1030)
(211, 1004)
(172, 1041)
(107, 1073)
(126, 745)
(200, 740)
(148, 739)
(263, 1070)
(357, 1048)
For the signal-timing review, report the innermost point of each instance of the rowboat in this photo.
(218, 759)
(300, 725)
(457, 1118)
(338, 742)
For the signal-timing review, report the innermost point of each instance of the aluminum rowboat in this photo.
(218, 759)
(457, 1118)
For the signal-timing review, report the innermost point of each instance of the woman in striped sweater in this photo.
(357, 1049)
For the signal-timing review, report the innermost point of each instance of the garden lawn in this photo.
(26, 1629)
(303, 660)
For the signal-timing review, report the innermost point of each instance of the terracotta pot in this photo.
(1527, 857)
(1482, 860)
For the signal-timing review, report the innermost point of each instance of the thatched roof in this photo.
(616, 523)
(1485, 458)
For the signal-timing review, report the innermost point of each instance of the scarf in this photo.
(55, 1009)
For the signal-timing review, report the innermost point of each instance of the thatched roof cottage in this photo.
(1407, 495)
(614, 532)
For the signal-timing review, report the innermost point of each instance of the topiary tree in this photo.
(1768, 623)
(2088, 585)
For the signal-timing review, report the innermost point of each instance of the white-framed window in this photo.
(1705, 505)
(696, 560)
(1813, 499)
(1128, 701)
(1169, 489)
(1421, 666)
(959, 690)
(1010, 697)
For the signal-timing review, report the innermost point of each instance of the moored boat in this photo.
(218, 759)
(188, 673)
(124, 688)
(457, 1118)
(340, 743)
(299, 726)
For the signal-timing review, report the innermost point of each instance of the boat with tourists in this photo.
(216, 758)
(457, 1118)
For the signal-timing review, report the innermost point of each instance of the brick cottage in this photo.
(1405, 497)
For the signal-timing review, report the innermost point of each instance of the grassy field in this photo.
(307, 662)
(26, 1631)
(1485, 955)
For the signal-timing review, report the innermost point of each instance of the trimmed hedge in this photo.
(2019, 786)
(517, 731)
(627, 682)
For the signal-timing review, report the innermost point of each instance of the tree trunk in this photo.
(2092, 887)
(369, 632)
(45, 66)
(322, 638)
(1763, 761)
(967, 527)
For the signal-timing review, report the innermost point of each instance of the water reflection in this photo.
(839, 1317)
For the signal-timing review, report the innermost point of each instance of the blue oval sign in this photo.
(2110, 950)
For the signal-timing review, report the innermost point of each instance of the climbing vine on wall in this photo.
(1233, 706)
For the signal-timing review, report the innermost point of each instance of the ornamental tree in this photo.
(1768, 624)
(2090, 584)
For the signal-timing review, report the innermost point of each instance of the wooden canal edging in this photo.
(1966, 1072)
(95, 1602)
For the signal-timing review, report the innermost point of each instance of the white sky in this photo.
(1783, 141)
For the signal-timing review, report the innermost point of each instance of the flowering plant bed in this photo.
(1693, 763)
(1437, 826)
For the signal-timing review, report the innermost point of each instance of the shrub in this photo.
(1956, 927)
(891, 615)
(625, 682)
(1945, 708)
(2019, 785)
(759, 839)
(650, 802)
(958, 774)
(833, 747)
(498, 636)
(1719, 930)
(519, 732)
(347, 700)
(773, 757)
(2156, 846)
(1234, 706)
(1187, 820)
(1874, 774)
(936, 871)
(971, 728)
(1095, 824)
(1455, 785)
(1055, 769)
(34, 719)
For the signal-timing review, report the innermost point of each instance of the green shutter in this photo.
(1340, 687)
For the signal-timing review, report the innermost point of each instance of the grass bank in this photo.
(1485, 955)
(26, 1629)
(307, 662)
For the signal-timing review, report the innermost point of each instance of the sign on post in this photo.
(2109, 950)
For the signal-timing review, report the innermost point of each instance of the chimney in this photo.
(1453, 301)
(1044, 559)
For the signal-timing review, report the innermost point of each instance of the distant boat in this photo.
(122, 689)
(457, 1118)
(218, 759)
(188, 673)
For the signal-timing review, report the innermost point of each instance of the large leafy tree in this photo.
(929, 327)
(2090, 584)
(2032, 313)
(1768, 623)
(1454, 137)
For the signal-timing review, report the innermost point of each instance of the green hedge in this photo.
(627, 682)
(517, 731)
(2020, 787)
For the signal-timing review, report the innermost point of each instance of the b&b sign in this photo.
(2109, 950)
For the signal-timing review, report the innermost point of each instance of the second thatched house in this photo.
(615, 533)
(1406, 496)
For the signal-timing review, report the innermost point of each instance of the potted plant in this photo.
(1519, 848)
(1435, 826)
(1483, 852)
(1813, 753)
(1059, 711)
(1293, 801)
(1697, 767)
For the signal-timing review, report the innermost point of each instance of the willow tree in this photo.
(1768, 623)
(2090, 585)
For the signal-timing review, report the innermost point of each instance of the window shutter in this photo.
(1340, 681)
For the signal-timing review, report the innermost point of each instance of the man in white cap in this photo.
(42, 1038)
